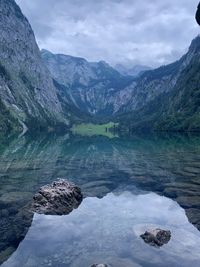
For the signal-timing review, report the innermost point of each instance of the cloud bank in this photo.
(118, 31)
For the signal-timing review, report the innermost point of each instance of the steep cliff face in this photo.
(134, 71)
(183, 108)
(153, 83)
(93, 87)
(26, 87)
(167, 98)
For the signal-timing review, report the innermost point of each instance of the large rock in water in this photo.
(156, 237)
(58, 198)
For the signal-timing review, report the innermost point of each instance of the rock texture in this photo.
(28, 96)
(156, 82)
(28, 86)
(93, 87)
(99, 265)
(156, 237)
(15, 220)
(58, 198)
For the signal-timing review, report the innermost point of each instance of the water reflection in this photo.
(168, 166)
(108, 230)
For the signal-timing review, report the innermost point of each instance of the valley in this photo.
(99, 160)
(41, 90)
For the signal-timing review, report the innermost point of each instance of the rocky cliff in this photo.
(93, 87)
(153, 83)
(27, 92)
(167, 98)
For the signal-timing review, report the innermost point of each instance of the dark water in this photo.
(129, 185)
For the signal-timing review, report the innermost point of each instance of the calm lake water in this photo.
(130, 185)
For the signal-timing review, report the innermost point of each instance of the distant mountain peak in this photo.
(89, 85)
(134, 71)
(46, 53)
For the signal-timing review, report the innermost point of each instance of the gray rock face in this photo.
(15, 220)
(26, 87)
(162, 99)
(156, 82)
(156, 237)
(92, 87)
(58, 198)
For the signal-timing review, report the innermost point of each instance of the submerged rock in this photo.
(156, 237)
(14, 224)
(58, 198)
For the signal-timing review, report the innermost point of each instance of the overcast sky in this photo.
(150, 32)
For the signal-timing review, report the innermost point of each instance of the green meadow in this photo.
(90, 129)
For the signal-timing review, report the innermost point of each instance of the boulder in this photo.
(156, 237)
(58, 198)
(99, 265)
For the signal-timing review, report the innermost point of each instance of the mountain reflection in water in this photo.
(164, 165)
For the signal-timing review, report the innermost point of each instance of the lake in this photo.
(130, 185)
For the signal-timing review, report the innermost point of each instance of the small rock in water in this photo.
(156, 237)
(58, 198)
(99, 265)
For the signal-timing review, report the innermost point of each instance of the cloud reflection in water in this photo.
(107, 230)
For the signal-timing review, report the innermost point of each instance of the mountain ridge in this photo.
(41, 90)
(134, 71)
(28, 95)
(138, 94)
(88, 84)
(167, 111)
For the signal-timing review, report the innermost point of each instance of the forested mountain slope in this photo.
(176, 101)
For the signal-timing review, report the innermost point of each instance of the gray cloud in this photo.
(119, 31)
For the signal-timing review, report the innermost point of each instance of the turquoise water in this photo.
(130, 185)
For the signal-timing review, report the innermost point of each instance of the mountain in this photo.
(28, 96)
(155, 99)
(41, 90)
(167, 98)
(92, 87)
(183, 107)
(134, 71)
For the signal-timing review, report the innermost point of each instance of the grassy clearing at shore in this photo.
(89, 129)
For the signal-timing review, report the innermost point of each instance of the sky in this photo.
(128, 32)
